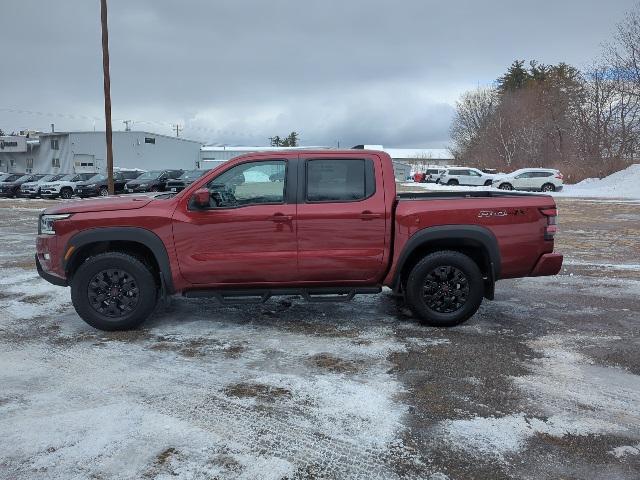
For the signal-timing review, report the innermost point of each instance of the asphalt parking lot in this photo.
(544, 382)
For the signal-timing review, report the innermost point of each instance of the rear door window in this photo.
(339, 180)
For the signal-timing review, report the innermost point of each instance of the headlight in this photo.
(91, 186)
(143, 185)
(47, 223)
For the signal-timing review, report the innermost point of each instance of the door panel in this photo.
(240, 242)
(340, 240)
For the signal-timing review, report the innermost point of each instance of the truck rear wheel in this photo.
(445, 288)
(114, 291)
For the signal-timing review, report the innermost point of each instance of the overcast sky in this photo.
(239, 71)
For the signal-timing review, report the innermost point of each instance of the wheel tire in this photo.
(66, 193)
(97, 267)
(548, 187)
(421, 277)
(505, 186)
(103, 192)
(452, 183)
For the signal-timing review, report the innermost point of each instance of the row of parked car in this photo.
(531, 179)
(94, 184)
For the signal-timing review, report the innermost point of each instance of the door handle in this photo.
(368, 215)
(281, 218)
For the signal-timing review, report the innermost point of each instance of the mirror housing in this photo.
(200, 198)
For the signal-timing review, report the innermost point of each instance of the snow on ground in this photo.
(622, 184)
(295, 390)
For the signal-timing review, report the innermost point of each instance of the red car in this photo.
(335, 227)
(420, 177)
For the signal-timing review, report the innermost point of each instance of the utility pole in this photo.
(127, 127)
(178, 129)
(107, 94)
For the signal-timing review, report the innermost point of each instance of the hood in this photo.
(120, 202)
(138, 182)
(87, 182)
(30, 184)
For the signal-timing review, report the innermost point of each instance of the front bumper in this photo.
(49, 193)
(136, 189)
(8, 192)
(548, 264)
(87, 192)
(28, 193)
(49, 277)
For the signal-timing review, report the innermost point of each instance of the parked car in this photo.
(98, 185)
(433, 174)
(337, 227)
(11, 185)
(465, 176)
(64, 186)
(32, 189)
(533, 179)
(420, 177)
(153, 181)
(184, 180)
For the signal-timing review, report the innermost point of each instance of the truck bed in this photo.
(444, 194)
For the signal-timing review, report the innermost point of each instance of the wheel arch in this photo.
(139, 242)
(479, 243)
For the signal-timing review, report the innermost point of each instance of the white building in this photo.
(76, 152)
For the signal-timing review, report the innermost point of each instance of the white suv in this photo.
(64, 186)
(534, 179)
(465, 176)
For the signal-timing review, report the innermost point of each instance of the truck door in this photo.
(248, 235)
(341, 219)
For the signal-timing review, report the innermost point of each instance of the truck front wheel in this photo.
(445, 288)
(114, 291)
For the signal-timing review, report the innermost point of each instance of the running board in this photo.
(255, 296)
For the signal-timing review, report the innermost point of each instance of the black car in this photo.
(184, 180)
(153, 181)
(11, 185)
(98, 185)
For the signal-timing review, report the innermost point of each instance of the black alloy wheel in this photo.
(548, 187)
(505, 186)
(103, 192)
(66, 193)
(113, 293)
(446, 289)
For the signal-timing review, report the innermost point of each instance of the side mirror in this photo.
(200, 198)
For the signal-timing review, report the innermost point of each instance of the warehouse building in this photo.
(80, 152)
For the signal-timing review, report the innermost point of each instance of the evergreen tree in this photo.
(516, 78)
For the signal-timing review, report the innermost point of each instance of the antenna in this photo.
(178, 129)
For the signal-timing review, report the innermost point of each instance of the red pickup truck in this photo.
(323, 225)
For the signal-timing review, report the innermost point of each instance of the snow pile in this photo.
(622, 184)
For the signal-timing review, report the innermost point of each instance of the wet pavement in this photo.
(543, 382)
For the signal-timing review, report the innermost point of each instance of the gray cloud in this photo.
(239, 71)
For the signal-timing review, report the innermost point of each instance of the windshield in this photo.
(97, 178)
(54, 177)
(68, 178)
(150, 175)
(11, 178)
(22, 178)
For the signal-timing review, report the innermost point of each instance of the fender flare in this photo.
(474, 234)
(127, 234)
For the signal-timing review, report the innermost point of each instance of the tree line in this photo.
(583, 122)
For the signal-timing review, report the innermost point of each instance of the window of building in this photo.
(339, 180)
(251, 183)
(12, 162)
(55, 145)
(29, 168)
(150, 140)
(55, 162)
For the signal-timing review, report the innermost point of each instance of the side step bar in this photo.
(254, 296)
